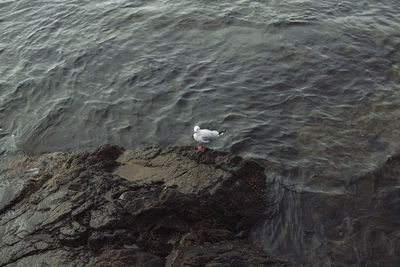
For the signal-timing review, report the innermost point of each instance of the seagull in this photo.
(204, 136)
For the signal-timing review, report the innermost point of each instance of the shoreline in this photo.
(179, 207)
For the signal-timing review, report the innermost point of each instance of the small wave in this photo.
(290, 23)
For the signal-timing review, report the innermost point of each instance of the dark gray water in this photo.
(312, 88)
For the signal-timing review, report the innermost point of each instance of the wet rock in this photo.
(232, 253)
(226, 184)
(127, 257)
(112, 207)
(111, 238)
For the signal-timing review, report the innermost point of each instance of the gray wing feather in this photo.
(208, 136)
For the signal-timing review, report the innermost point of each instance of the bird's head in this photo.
(196, 129)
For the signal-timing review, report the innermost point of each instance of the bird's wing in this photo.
(207, 135)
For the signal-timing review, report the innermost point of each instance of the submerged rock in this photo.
(130, 208)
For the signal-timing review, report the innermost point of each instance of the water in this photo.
(310, 88)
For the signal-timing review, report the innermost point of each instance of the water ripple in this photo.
(310, 88)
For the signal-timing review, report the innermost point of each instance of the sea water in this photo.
(311, 89)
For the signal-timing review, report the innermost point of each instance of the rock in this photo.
(127, 257)
(231, 253)
(112, 207)
(227, 185)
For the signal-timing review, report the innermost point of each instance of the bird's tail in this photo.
(222, 132)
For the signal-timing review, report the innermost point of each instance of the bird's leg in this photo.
(201, 147)
(204, 147)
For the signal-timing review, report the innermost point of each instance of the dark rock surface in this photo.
(112, 207)
(227, 253)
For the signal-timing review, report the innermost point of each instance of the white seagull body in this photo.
(205, 136)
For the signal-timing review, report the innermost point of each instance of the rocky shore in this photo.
(160, 206)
